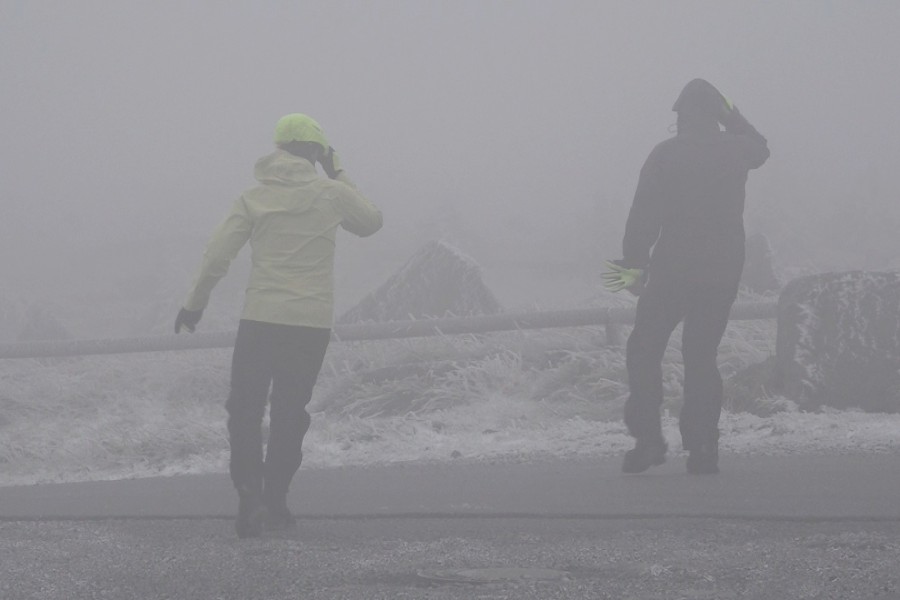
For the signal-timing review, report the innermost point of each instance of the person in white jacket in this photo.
(290, 219)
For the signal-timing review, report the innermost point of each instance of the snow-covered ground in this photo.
(500, 431)
(514, 397)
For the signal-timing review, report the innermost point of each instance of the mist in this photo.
(515, 130)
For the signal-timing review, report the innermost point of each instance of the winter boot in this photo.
(278, 515)
(647, 452)
(251, 514)
(704, 459)
(280, 519)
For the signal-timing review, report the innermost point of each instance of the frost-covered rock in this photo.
(838, 341)
(41, 325)
(438, 281)
(11, 317)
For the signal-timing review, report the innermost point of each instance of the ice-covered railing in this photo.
(610, 317)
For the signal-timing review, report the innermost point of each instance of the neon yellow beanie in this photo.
(297, 127)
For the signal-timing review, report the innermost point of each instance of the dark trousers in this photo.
(286, 359)
(704, 309)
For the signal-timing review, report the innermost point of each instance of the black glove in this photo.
(187, 319)
(733, 120)
(331, 163)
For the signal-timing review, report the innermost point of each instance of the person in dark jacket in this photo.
(688, 209)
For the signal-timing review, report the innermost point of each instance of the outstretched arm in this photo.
(359, 215)
(226, 241)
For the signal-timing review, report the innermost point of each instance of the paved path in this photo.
(857, 486)
(504, 525)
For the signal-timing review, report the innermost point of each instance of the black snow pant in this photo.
(288, 359)
(704, 309)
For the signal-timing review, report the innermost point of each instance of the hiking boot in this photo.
(251, 514)
(280, 520)
(278, 515)
(645, 454)
(704, 460)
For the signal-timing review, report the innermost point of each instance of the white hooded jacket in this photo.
(290, 219)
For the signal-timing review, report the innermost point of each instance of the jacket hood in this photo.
(699, 98)
(282, 167)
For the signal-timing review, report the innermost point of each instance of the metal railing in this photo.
(610, 317)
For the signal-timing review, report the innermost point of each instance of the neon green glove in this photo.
(619, 278)
(729, 105)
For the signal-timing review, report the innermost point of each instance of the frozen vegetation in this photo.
(507, 397)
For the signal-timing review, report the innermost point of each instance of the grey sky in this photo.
(127, 120)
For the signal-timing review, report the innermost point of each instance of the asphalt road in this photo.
(766, 528)
(830, 486)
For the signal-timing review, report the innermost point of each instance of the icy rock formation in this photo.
(11, 318)
(41, 325)
(838, 341)
(438, 281)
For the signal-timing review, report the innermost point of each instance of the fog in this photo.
(515, 130)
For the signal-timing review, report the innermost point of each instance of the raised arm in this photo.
(754, 146)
